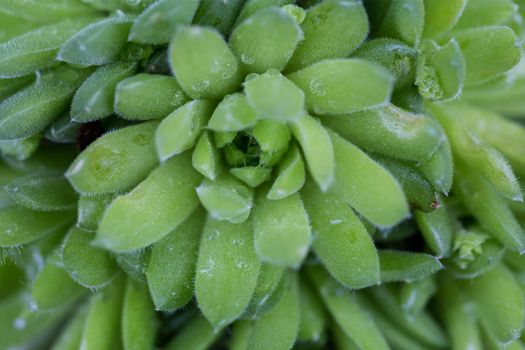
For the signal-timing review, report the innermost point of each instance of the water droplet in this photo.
(247, 59)
(133, 2)
(19, 323)
(238, 242)
(251, 76)
(201, 86)
(317, 87)
(335, 221)
(242, 265)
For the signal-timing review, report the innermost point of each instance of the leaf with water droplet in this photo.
(19, 225)
(31, 109)
(488, 52)
(152, 209)
(36, 49)
(43, 192)
(179, 131)
(89, 266)
(278, 328)
(275, 97)
(226, 198)
(341, 241)
(317, 148)
(102, 327)
(148, 96)
(290, 175)
(232, 114)
(332, 29)
(52, 286)
(369, 85)
(441, 71)
(158, 22)
(224, 283)
(265, 40)
(94, 98)
(205, 158)
(348, 312)
(171, 267)
(401, 266)
(282, 230)
(116, 161)
(139, 320)
(366, 186)
(203, 63)
(97, 44)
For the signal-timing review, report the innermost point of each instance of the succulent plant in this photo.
(262, 174)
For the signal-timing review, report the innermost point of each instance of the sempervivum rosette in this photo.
(261, 174)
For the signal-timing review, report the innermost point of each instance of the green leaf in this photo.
(332, 29)
(441, 71)
(158, 22)
(148, 96)
(218, 14)
(203, 63)
(341, 240)
(349, 314)
(232, 114)
(274, 97)
(406, 266)
(62, 130)
(317, 148)
(290, 175)
(267, 39)
(272, 136)
(134, 263)
(415, 296)
(89, 266)
(102, 327)
(116, 161)
(390, 131)
(252, 6)
(489, 208)
(171, 267)
(480, 13)
(94, 98)
(52, 287)
(179, 131)
(341, 86)
(71, 334)
(31, 109)
(366, 186)
(47, 11)
(36, 49)
(43, 192)
(205, 158)
(253, 176)
(226, 198)
(278, 328)
(282, 231)
(398, 57)
(439, 168)
(97, 44)
(10, 86)
(139, 320)
(437, 230)
(313, 316)
(227, 271)
(19, 225)
(91, 209)
(267, 292)
(488, 52)
(441, 16)
(404, 20)
(197, 334)
(21, 149)
(499, 303)
(152, 209)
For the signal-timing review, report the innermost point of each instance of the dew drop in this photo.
(19, 323)
(246, 59)
(201, 86)
(317, 88)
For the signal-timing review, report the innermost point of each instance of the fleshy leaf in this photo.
(406, 266)
(148, 96)
(203, 63)
(441, 16)
(232, 114)
(227, 271)
(251, 175)
(481, 13)
(341, 86)
(153, 209)
(290, 175)
(116, 161)
(205, 158)
(282, 230)
(404, 20)
(437, 230)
